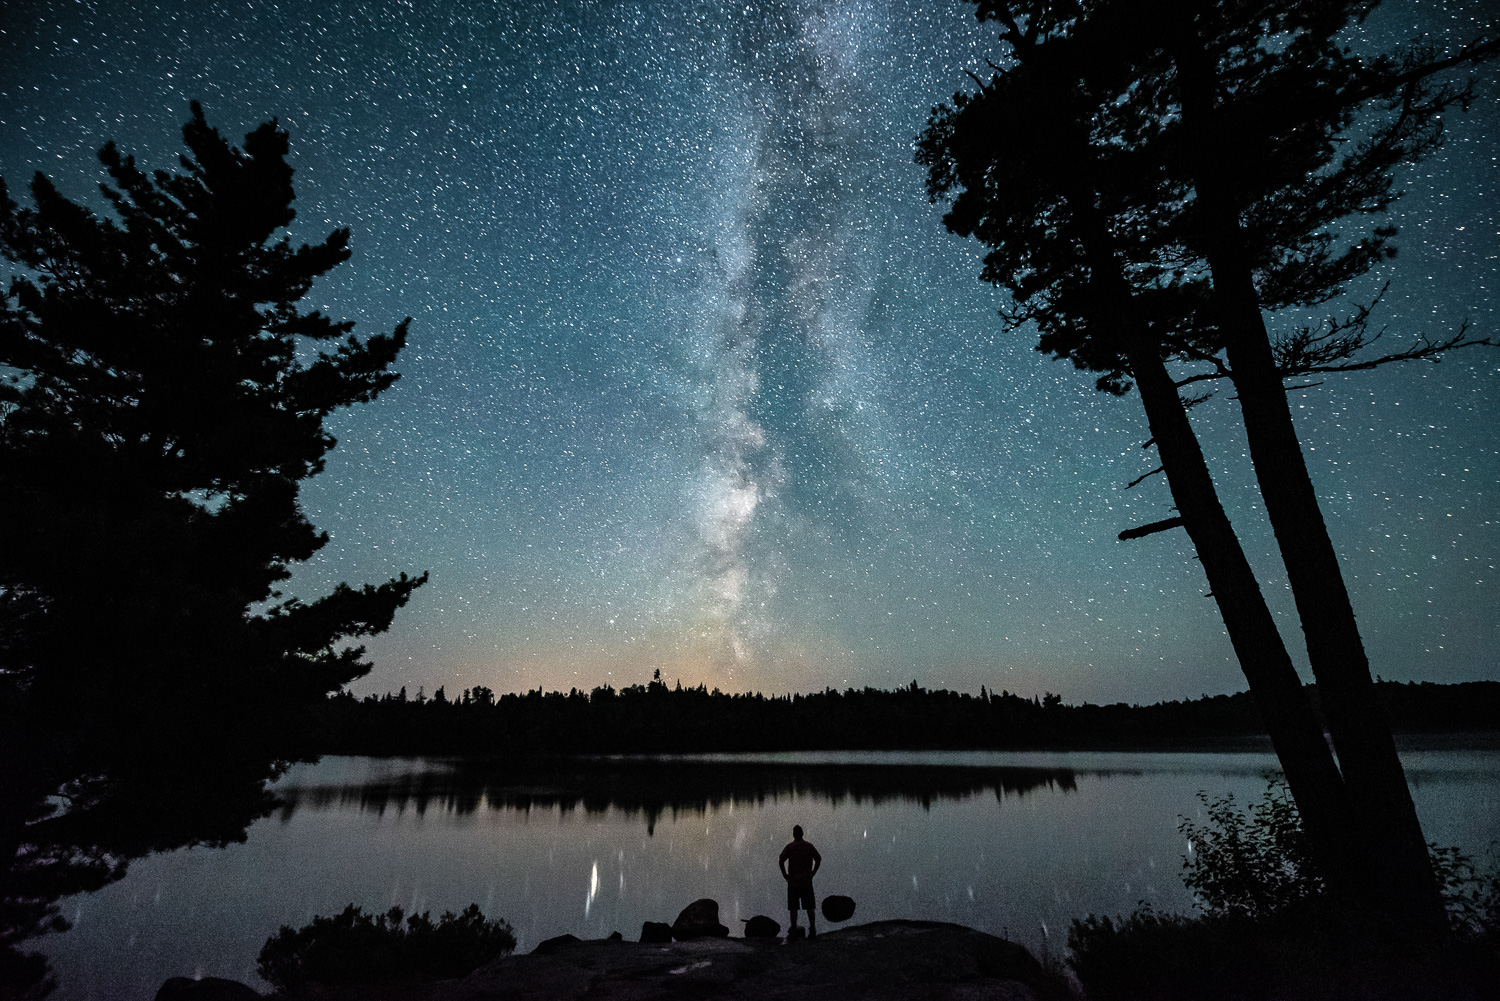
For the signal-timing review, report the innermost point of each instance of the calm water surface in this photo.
(1012, 843)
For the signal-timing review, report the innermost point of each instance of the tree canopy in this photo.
(1152, 180)
(163, 395)
(166, 397)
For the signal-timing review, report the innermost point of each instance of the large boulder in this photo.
(761, 926)
(700, 919)
(555, 943)
(837, 908)
(656, 931)
(207, 989)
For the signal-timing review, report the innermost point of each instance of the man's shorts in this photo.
(800, 898)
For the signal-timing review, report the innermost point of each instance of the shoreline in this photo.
(1413, 742)
(895, 959)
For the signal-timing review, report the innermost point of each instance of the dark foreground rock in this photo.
(553, 944)
(656, 931)
(896, 960)
(761, 926)
(881, 961)
(838, 908)
(700, 919)
(207, 989)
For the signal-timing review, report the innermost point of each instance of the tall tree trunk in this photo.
(1296, 733)
(1295, 730)
(1376, 783)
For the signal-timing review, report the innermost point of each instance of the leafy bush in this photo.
(1473, 898)
(1267, 929)
(1250, 863)
(1255, 864)
(353, 947)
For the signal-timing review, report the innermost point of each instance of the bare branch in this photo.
(1189, 402)
(1156, 526)
(1422, 350)
(1333, 349)
(1301, 352)
(1187, 349)
(1139, 479)
(1203, 377)
(1417, 70)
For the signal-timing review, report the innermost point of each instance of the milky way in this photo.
(697, 382)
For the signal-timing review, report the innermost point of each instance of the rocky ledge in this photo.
(886, 960)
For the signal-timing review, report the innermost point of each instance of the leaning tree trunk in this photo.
(1296, 733)
(1376, 782)
(1295, 730)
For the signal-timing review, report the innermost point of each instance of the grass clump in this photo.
(353, 947)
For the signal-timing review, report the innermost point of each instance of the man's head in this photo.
(797, 831)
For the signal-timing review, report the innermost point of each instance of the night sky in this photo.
(697, 381)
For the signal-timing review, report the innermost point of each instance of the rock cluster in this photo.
(891, 960)
(700, 919)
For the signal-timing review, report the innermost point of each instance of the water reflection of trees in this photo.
(83, 833)
(653, 788)
(164, 399)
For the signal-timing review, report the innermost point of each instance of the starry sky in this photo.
(698, 382)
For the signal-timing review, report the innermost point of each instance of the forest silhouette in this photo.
(655, 718)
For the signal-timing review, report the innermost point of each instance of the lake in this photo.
(1016, 844)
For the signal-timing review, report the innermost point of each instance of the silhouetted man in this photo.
(799, 862)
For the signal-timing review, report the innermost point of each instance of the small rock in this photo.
(761, 926)
(656, 931)
(700, 919)
(553, 944)
(837, 908)
(207, 989)
(615, 936)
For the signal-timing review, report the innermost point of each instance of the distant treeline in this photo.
(657, 718)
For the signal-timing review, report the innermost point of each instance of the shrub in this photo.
(1267, 929)
(1473, 898)
(1251, 863)
(1172, 957)
(353, 947)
